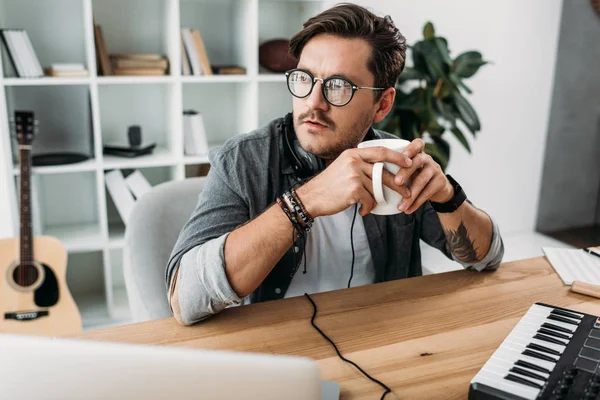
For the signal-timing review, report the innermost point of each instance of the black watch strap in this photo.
(456, 200)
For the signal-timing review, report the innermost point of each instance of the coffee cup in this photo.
(387, 199)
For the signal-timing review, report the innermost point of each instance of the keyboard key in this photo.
(541, 356)
(549, 339)
(534, 367)
(551, 332)
(566, 314)
(557, 328)
(593, 343)
(543, 349)
(590, 353)
(515, 378)
(563, 319)
(585, 364)
(527, 373)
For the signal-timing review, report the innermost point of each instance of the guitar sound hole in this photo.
(25, 275)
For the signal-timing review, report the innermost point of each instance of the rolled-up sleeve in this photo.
(203, 287)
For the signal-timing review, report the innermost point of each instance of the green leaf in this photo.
(467, 113)
(442, 47)
(461, 138)
(428, 60)
(411, 74)
(459, 83)
(468, 63)
(428, 31)
(414, 101)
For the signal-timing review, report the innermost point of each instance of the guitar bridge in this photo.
(26, 315)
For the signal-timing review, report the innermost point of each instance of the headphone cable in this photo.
(352, 244)
(312, 321)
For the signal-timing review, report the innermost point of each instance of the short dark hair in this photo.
(355, 22)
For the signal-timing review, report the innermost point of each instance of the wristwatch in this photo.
(456, 200)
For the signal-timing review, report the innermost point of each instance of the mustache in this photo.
(317, 116)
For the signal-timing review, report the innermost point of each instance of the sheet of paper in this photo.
(574, 265)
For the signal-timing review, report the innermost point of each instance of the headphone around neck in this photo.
(305, 164)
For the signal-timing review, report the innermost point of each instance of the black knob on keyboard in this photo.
(568, 379)
(590, 396)
(595, 378)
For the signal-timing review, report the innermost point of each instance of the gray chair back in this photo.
(154, 225)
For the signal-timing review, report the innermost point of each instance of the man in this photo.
(249, 233)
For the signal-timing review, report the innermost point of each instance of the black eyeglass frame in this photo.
(323, 83)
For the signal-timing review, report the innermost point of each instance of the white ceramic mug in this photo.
(387, 199)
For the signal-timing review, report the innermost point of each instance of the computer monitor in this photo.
(43, 368)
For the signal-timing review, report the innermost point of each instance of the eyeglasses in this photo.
(337, 90)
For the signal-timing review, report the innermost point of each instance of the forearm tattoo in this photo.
(461, 245)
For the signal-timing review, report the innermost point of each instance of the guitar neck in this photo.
(26, 237)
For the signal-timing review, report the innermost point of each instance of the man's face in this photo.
(336, 128)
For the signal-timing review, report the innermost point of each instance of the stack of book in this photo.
(139, 64)
(21, 53)
(66, 70)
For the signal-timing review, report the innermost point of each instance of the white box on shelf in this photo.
(194, 133)
(115, 182)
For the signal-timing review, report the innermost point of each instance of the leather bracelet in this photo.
(291, 217)
(292, 200)
(309, 219)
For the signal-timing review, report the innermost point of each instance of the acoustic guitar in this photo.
(34, 298)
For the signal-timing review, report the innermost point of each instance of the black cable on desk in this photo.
(312, 321)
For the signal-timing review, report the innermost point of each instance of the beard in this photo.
(341, 136)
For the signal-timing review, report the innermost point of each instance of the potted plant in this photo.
(429, 96)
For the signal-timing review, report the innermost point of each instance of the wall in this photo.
(571, 181)
(512, 96)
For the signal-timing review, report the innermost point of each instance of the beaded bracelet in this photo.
(295, 207)
(309, 219)
(292, 217)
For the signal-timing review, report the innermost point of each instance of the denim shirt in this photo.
(250, 171)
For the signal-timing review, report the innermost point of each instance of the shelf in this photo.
(133, 80)
(215, 79)
(87, 165)
(271, 77)
(93, 311)
(46, 81)
(77, 238)
(160, 158)
(201, 158)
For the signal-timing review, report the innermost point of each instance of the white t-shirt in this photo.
(329, 256)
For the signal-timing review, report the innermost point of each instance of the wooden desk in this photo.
(424, 337)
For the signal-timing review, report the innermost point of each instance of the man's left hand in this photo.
(426, 180)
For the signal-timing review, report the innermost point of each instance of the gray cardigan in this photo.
(250, 171)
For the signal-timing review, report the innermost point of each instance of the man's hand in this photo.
(348, 180)
(425, 178)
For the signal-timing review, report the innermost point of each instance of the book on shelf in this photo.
(122, 190)
(139, 64)
(139, 71)
(194, 133)
(138, 184)
(196, 52)
(228, 70)
(186, 68)
(21, 53)
(122, 197)
(104, 67)
(66, 70)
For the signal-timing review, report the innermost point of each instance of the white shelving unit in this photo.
(82, 114)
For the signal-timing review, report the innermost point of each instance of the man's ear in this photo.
(384, 104)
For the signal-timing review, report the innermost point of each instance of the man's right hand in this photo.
(348, 180)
